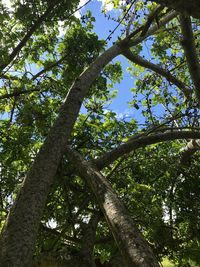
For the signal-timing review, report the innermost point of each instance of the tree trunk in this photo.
(20, 231)
(134, 249)
(19, 234)
(88, 241)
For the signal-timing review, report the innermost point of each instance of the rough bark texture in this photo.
(134, 249)
(19, 233)
(142, 141)
(189, 7)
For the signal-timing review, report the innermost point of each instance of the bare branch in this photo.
(143, 141)
(130, 23)
(156, 68)
(121, 20)
(188, 44)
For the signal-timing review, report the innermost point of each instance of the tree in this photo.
(37, 123)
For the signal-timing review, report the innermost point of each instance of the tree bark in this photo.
(88, 241)
(134, 249)
(116, 259)
(189, 47)
(189, 7)
(20, 231)
(187, 152)
(142, 141)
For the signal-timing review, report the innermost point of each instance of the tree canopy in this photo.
(81, 185)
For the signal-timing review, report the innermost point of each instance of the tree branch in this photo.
(143, 141)
(130, 41)
(88, 240)
(190, 7)
(23, 42)
(55, 64)
(133, 247)
(152, 16)
(165, 73)
(187, 152)
(188, 44)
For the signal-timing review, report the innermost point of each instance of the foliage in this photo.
(161, 194)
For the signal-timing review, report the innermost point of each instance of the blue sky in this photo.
(102, 26)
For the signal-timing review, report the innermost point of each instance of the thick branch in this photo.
(88, 241)
(189, 150)
(133, 144)
(130, 242)
(188, 43)
(189, 7)
(35, 188)
(17, 251)
(165, 73)
(152, 16)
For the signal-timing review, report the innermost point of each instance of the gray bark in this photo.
(19, 234)
(187, 152)
(20, 231)
(188, 43)
(134, 249)
(142, 141)
(116, 260)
